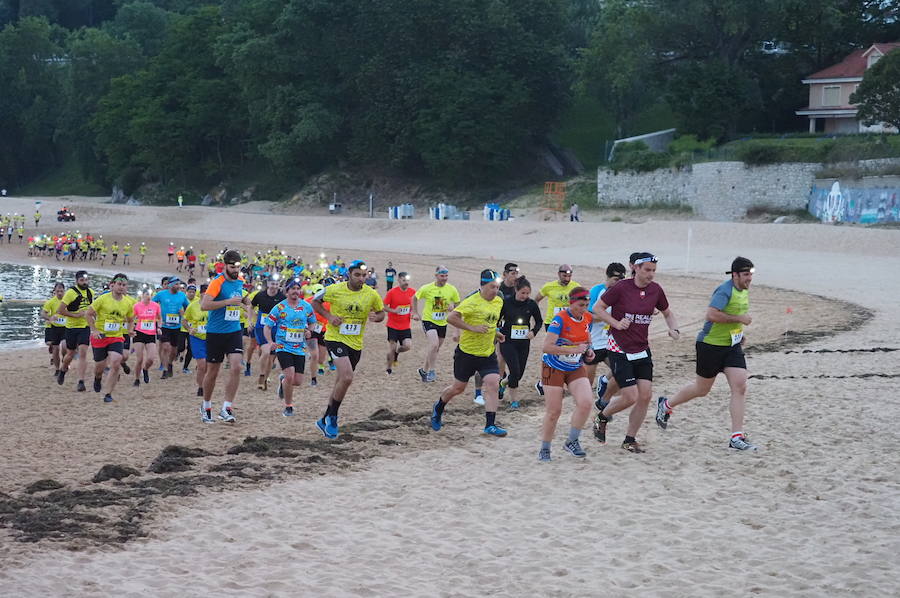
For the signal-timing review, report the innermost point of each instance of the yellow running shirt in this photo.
(475, 311)
(196, 317)
(437, 302)
(112, 315)
(557, 297)
(50, 306)
(353, 307)
(69, 298)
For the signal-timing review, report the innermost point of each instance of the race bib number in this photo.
(737, 337)
(317, 327)
(571, 358)
(61, 321)
(112, 327)
(519, 332)
(439, 315)
(403, 310)
(350, 329)
(148, 325)
(294, 335)
(201, 328)
(173, 319)
(636, 356)
(232, 313)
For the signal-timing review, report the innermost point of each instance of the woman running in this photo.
(520, 321)
(146, 323)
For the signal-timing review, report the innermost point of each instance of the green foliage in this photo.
(878, 95)
(690, 143)
(637, 157)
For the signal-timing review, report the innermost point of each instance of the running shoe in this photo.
(432, 376)
(146, 376)
(61, 377)
(136, 382)
(662, 414)
(513, 406)
(539, 387)
(502, 389)
(125, 368)
(185, 371)
(495, 430)
(165, 375)
(479, 398)
(81, 386)
(98, 384)
(227, 415)
(632, 447)
(313, 382)
(544, 455)
(602, 383)
(288, 411)
(574, 447)
(422, 374)
(206, 416)
(331, 366)
(108, 398)
(325, 428)
(247, 371)
(600, 428)
(280, 391)
(389, 371)
(262, 383)
(321, 371)
(331, 425)
(742, 444)
(436, 423)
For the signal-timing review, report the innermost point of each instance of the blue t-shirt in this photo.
(596, 291)
(169, 305)
(289, 326)
(225, 319)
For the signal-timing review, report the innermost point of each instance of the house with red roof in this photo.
(829, 109)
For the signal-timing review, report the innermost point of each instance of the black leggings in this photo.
(515, 353)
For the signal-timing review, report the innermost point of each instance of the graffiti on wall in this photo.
(849, 204)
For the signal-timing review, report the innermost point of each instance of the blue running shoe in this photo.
(514, 406)
(436, 423)
(108, 398)
(280, 387)
(574, 447)
(331, 426)
(544, 455)
(320, 423)
(288, 411)
(331, 366)
(495, 431)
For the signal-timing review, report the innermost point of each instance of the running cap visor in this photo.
(741, 264)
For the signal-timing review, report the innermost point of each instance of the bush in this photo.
(690, 144)
(759, 154)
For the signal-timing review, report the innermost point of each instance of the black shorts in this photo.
(712, 359)
(143, 337)
(182, 342)
(76, 337)
(101, 353)
(398, 335)
(169, 335)
(291, 360)
(319, 336)
(337, 349)
(246, 332)
(599, 357)
(127, 342)
(465, 365)
(441, 330)
(220, 344)
(626, 372)
(54, 335)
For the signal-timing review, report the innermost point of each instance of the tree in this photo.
(878, 95)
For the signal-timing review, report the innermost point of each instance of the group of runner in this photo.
(83, 247)
(293, 320)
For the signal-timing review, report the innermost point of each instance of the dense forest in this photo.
(193, 92)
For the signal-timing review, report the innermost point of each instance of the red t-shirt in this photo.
(397, 298)
(629, 301)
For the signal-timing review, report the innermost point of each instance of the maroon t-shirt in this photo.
(636, 304)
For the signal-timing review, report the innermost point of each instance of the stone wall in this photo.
(715, 190)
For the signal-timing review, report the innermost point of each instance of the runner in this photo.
(633, 302)
(600, 335)
(143, 251)
(195, 320)
(114, 251)
(73, 305)
(172, 302)
(352, 304)
(264, 302)
(389, 274)
(170, 251)
(567, 346)
(179, 256)
(720, 349)
(126, 254)
(511, 274)
(285, 331)
(477, 316)
(398, 305)
(440, 297)
(110, 317)
(318, 352)
(184, 341)
(146, 324)
(557, 294)
(224, 301)
(55, 325)
(519, 311)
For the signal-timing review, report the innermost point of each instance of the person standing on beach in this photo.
(477, 317)
(73, 306)
(720, 350)
(574, 213)
(389, 274)
(440, 298)
(398, 305)
(557, 294)
(633, 303)
(352, 304)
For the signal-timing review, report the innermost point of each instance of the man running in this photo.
(54, 325)
(264, 302)
(389, 274)
(600, 335)
(110, 318)
(172, 302)
(477, 316)
(557, 294)
(398, 305)
(195, 320)
(352, 305)
(285, 331)
(720, 349)
(73, 306)
(633, 303)
(440, 298)
(224, 301)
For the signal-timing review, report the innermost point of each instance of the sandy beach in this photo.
(269, 508)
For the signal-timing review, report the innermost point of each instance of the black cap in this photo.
(741, 264)
(80, 274)
(232, 257)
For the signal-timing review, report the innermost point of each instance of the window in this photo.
(831, 95)
(873, 58)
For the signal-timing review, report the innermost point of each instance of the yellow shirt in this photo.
(557, 297)
(475, 311)
(50, 306)
(353, 308)
(112, 316)
(438, 301)
(70, 296)
(197, 318)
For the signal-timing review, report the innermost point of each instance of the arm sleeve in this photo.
(215, 287)
(555, 325)
(662, 304)
(538, 318)
(720, 299)
(610, 296)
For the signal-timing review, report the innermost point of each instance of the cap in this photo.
(81, 274)
(173, 280)
(488, 276)
(357, 265)
(741, 264)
